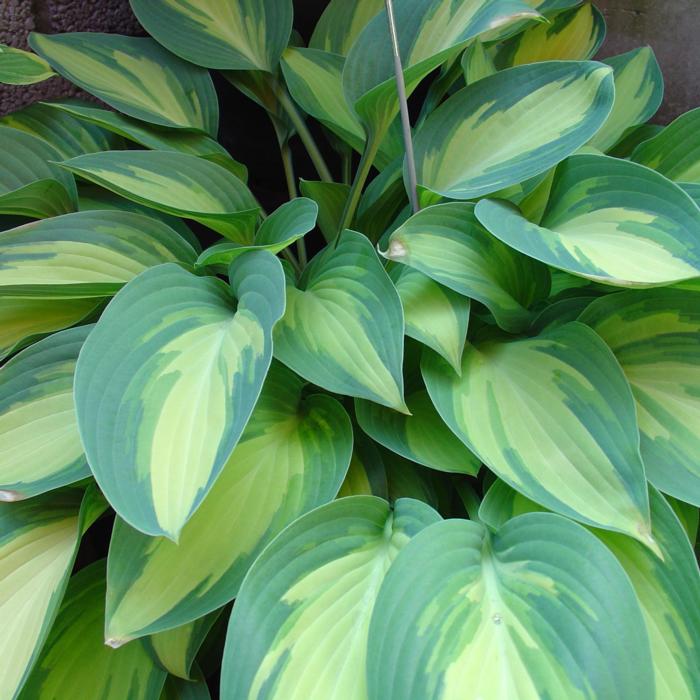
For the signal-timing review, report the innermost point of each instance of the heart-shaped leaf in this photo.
(291, 458)
(135, 76)
(180, 184)
(554, 417)
(655, 336)
(608, 220)
(341, 553)
(567, 102)
(85, 254)
(238, 34)
(447, 243)
(37, 418)
(343, 327)
(173, 356)
(539, 609)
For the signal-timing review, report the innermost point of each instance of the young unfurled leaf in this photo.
(608, 220)
(554, 417)
(447, 243)
(38, 543)
(76, 663)
(180, 184)
(19, 67)
(38, 427)
(639, 88)
(134, 75)
(343, 327)
(341, 553)
(287, 224)
(30, 184)
(655, 335)
(237, 34)
(567, 102)
(85, 254)
(539, 609)
(170, 374)
(291, 458)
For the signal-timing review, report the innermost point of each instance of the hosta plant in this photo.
(428, 428)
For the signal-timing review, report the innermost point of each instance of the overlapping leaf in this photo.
(341, 553)
(135, 76)
(447, 243)
(166, 383)
(291, 458)
(37, 418)
(567, 100)
(608, 220)
(85, 254)
(655, 335)
(554, 417)
(76, 663)
(180, 184)
(343, 327)
(30, 185)
(539, 609)
(341, 23)
(19, 67)
(240, 35)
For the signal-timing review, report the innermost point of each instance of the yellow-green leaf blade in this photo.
(343, 327)
(539, 609)
(37, 417)
(291, 458)
(341, 553)
(135, 76)
(19, 67)
(567, 100)
(608, 220)
(166, 383)
(554, 417)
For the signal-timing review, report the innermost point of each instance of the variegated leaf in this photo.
(150, 136)
(567, 100)
(238, 34)
(575, 34)
(180, 184)
(554, 417)
(366, 474)
(287, 224)
(421, 437)
(38, 543)
(76, 663)
(37, 418)
(175, 649)
(539, 609)
(330, 198)
(19, 67)
(85, 254)
(675, 152)
(69, 136)
(477, 62)
(23, 321)
(135, 76)
(341, 553)
(30, 184)
(447, 243)
(292, 457)
(431, 31)
(434, 314)
(639, 89)
(343, 327)
(655, 335)
(166, 383)
(341, 23)
(607, 220)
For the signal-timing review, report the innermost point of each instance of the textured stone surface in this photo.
(671, 28)
(19, 17)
